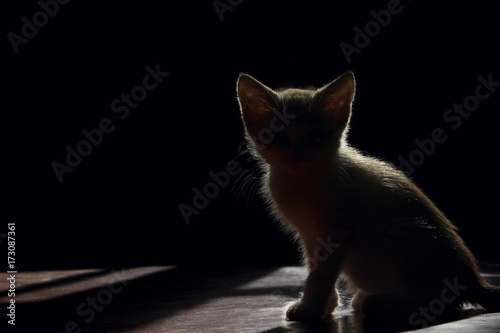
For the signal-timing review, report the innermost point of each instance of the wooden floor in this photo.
(170, 299)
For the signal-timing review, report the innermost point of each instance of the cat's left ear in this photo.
(335, 98)
(254, 97)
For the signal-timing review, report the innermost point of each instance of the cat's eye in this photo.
(280, 140)
(316, 137)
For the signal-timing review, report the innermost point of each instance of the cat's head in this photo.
(296, 129)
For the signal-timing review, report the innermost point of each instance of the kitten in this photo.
(353, 214)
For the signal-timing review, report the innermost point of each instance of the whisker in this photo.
(246, 184)
(344, 176)
(241, 176)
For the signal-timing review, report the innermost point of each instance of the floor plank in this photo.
(170, 299)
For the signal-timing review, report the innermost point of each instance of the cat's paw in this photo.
(301, 311)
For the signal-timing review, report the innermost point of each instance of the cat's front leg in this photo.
(308, 309)
(320, 297)
(358, 300)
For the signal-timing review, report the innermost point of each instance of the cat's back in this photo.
(372, 180)
(379, 194)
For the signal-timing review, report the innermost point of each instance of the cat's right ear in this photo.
(255, 98)
(335, 99)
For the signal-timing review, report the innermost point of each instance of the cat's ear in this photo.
(254, 97)
(335, 98)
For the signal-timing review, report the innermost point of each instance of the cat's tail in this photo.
(488, 296)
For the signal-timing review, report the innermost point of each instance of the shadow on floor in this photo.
(111, 308)
(162, 296)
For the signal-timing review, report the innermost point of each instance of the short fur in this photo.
(391, 241)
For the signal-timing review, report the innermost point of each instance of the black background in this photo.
(119, 207)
